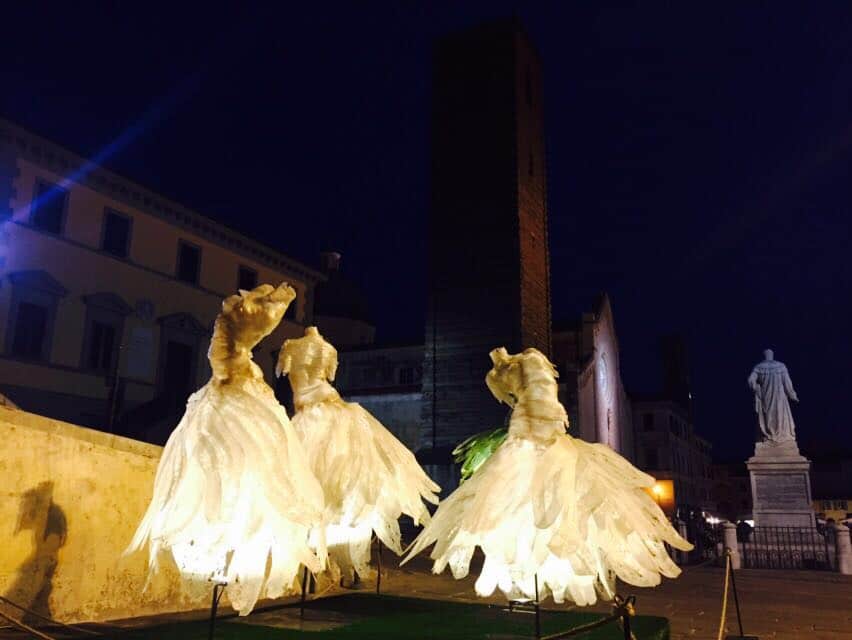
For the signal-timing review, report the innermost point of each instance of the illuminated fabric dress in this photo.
(234, 498)
(369, 478)
(545, 504)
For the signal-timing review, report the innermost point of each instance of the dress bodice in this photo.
(311, 363)
(527, 382)
(538, 415)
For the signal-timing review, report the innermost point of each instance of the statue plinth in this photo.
(780, 486)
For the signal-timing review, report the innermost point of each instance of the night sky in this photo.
(699, 162)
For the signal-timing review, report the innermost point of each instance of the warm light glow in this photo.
(663, 493)
(234, 499)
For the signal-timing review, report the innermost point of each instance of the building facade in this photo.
(837, 509)
(587, 355)
(108, 291)
(668, 448)
(831, 483)
(732, 491)
(489, 265)
(341, 310)
(386, 381)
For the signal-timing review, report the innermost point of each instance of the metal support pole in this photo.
(625, 623)
(379, 574)
(537, 611)
(736, 599)
(304, 590)
(218, 590)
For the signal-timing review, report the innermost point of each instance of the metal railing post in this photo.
(218, 590)
(304, 591)
(537, 611)
(736, 598)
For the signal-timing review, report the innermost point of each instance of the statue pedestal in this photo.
(780, 486)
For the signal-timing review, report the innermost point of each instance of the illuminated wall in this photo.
(613, 416)
(71, 501)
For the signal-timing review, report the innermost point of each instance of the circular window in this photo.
(603, 375)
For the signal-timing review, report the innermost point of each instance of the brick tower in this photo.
(489, 265)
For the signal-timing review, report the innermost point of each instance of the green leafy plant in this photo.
(473, 452)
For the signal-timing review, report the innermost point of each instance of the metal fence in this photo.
(707, 541)
(787, 548)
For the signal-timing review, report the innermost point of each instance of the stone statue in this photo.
(772, 387)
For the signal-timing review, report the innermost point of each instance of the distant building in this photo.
(831, 487)
(676, 379)
(587, 355)
(489, 265)
(837, 509)
(731, 491)
(668, 448)
(108, 291)
(386, 380)
(341, 310)
(667, 444)
(831, 484)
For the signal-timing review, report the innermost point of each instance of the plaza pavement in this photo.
(778, 605)
(781, 605)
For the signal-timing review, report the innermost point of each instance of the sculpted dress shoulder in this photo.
(234, 498)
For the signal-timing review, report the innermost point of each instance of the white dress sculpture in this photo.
(772, 387)
(234, 498)
(369, 478)
(548, 508)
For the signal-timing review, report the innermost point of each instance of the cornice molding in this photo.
(109, 301)
(40, 280)
(185, 321)
(53, 157)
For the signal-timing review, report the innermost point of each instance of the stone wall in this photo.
(398, 412)
(532, 200)
(489, 281)
(70, 503)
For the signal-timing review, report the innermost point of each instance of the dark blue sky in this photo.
(699, 161)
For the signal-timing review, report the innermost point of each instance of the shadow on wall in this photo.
(46, 521)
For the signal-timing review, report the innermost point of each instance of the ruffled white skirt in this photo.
(234, 498)
(573, 514)
(369, 479)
